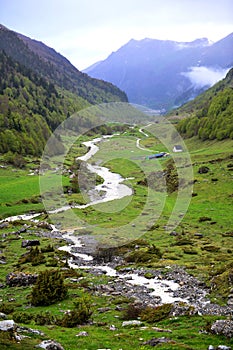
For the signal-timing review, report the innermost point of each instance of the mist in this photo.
(205, 76)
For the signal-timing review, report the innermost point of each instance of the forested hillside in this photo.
(38, 90)
(211, 112)
(51, 65)
(30, 107)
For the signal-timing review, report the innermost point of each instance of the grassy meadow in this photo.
(202, 243)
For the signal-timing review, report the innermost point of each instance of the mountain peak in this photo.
(2, 27)
(153, 72)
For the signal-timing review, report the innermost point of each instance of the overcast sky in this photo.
(86, 31)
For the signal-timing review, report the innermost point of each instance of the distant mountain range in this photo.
(162, 74)
(39, 88)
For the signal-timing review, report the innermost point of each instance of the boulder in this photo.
(30, 243)
(131, 323)
(223, 327)
(157, 341)
(203, 170)
(7, 326)
(20, 279)
(50, 345)
(2, 316)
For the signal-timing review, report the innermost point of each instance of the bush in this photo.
(22, 317)
(132, 312)
(35, 257)
(7, 308)
(45, 319)
(151, 314)
(49, 289)
(79, 315)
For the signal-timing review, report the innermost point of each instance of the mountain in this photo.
(39, 89)
(56, 68)
(162, 74)
(211, 113)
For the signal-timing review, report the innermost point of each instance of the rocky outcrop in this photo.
(20, 279)
(30, 243)
(50, 345)
(157, 341)
(223, 327)
(8, 326)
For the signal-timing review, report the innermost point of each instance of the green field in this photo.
(202, 243)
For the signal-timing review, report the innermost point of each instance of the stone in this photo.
(157, 341)
(223, 347)
(2, 316)
(7, 326)
(82, 334)
(20, 279)
(30, 243)
(223, 327)
(103, 309)
(4, 224)
(203, 170)
(131, 323)
(50, 345)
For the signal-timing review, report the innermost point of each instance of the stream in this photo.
(167, 289)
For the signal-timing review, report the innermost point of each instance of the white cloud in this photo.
(205, 76)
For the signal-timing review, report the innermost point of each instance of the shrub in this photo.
(79, 315)
(49, 289)
(35, 257)
(151, 314)
(22, 317)
(45, 319)
(132, 312)
(7, 308)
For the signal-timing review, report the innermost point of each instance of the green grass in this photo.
(208, 257)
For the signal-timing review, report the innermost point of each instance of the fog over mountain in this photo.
(205, 76)
(162, 74)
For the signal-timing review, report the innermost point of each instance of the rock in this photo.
(20, 279)
(82, 334)
(112, 327)
(7, 326)
(45, 225)
(157, 341)
(134, 323)
(30, 243)
(2, 316)
(4, 224)
(183, 309)
(50, 345)
(103, 309)
(203, 170)
(223, 327)
(156, 329)
(223, 347)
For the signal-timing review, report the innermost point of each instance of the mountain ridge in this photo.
(47, 62)
(152, 71)
(39, 89)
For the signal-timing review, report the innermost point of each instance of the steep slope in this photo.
(211, 112)
(30, 107)
(53, 66)
(38, 90)
(162, 74)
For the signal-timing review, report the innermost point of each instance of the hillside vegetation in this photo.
(211, 113)
(38, 90)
